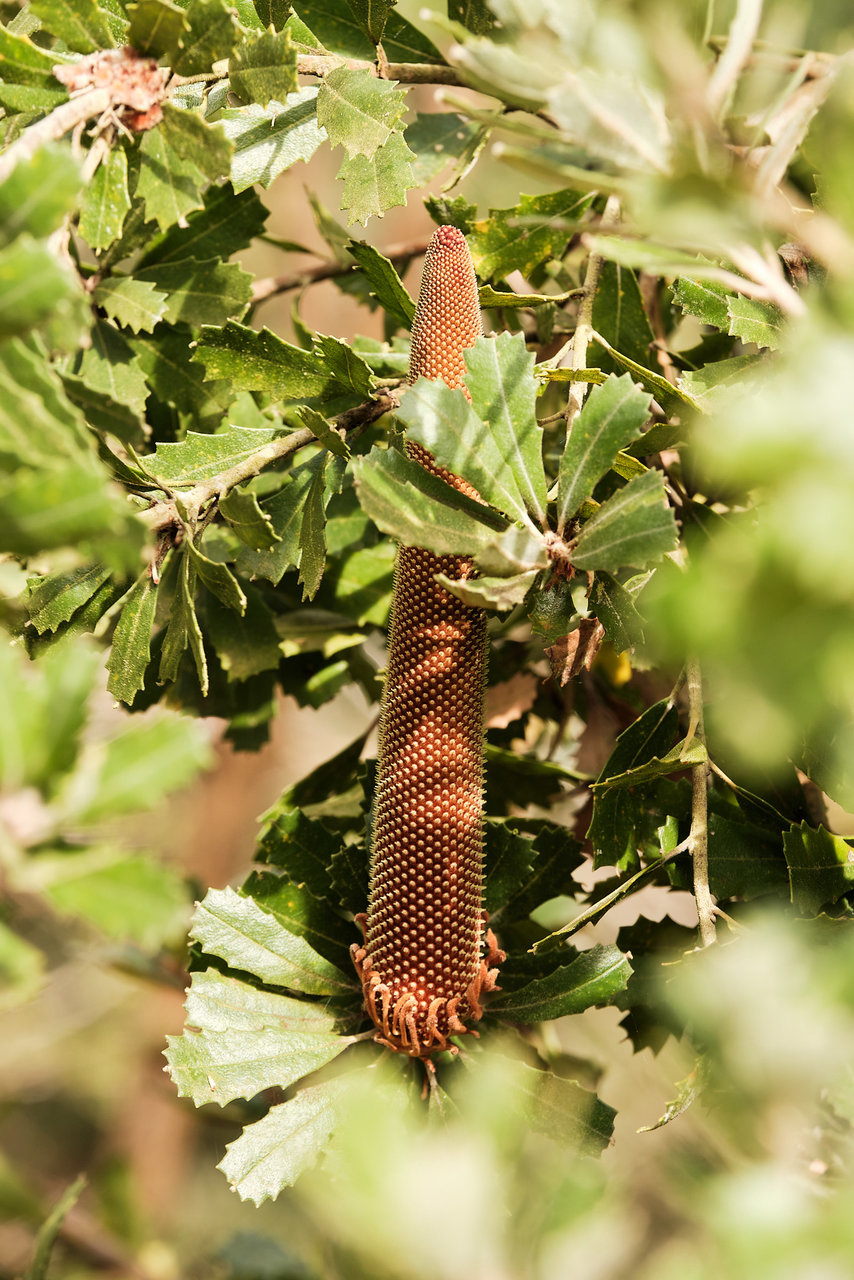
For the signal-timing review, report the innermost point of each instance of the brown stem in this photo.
(698, 839)
(407, 72)
(165, 513)
(268, 288)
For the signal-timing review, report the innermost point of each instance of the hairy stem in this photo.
(268, 288)
(193, 501)
(584, 326)
(698, 839)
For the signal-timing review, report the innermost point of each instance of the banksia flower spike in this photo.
(421, 965)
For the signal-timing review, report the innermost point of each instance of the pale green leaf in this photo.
(268, 140)
(634, 527)
(200, 457)
(593, 978)
(247, 938)
(613, 415)
(131, 646)
(272, 1153)
(218, 579)
(503, 392)
(443, 421)
(136, 304)
(38, 194)
(252, 525)
(247, 1041)
(418, 508)
(54, 599)
(264, 69)
(371, 187)
(386, 285)
(358, 110)
(106, 202)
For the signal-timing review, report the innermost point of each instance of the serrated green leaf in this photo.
(252, 525)
(247, 938)
(615, 609)
(519, 239)
(33, 282)
(165, 358)
(272, 13)
(196, 141)
(325, 433)
(200, 293)
(38, 194)
(419, 509)
(634, 527)
(261, 361)
(156, 28)
(612, 831)
(503, 392)
(473, 14)
(372, 16)
(372, 187)
(753, 321)
(134, 771)
(435, 138)
(228, 222)
(272, 1153)
(218, 579)
(303, 914)
(135, 304)
(593, 978)
(672, 399)
(359, 111)
(744, 860)
(211, 34)
(705, 299)
(362, 583)
(490, 593)
(508, 858)
(46, 702)
(177, 634)
(564, 1111)
(108, 366)
(821, 867)
(131, 646)
(22, 62)
(312, 536)
(40, 510)
(245, 644)
(347, 367)
(619, 315)
(515, 551)
(446, 424)
(613, 415)
(54, 599)
(269, 140)
(31, 99)
(302, 847)
(170, 185)
(264, 69)
(247, 1041)
(39, 427)
(106, 202)
(200, 457)
(285, 513)
(683, 756)
(83, 25)
(386, 285)
(715, 380)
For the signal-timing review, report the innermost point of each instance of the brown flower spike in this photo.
(421, 966)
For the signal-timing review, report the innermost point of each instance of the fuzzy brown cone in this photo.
(421, 964)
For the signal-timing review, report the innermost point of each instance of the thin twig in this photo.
(165, 513)
(698, 839)
(584, 326)
(273, 285)
(408, 72)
